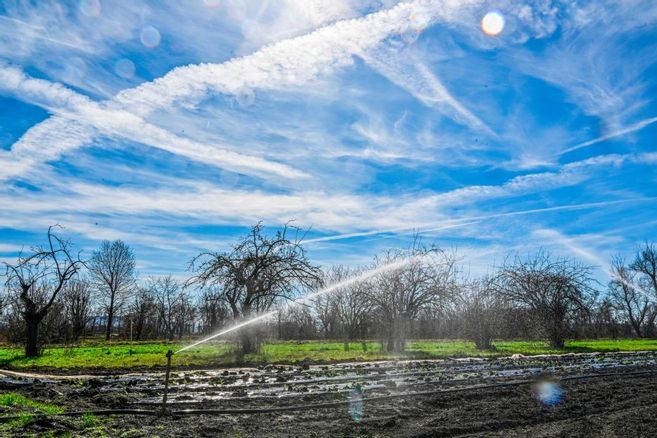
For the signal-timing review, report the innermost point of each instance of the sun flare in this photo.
(493, 23)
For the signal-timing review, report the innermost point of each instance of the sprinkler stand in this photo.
(166, 384)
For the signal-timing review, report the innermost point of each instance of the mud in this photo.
(581, 395)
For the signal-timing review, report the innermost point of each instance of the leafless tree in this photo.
(168, 298)
(212, 310)
(400, 295)
(481, 313)
(645, 264)
(38, 279)
(555, 290)
(258, 271)
(142, 313)
(630, 298)
(324, 309)
(112, 268)
(352, 306)
(77, 306)
(184, 315)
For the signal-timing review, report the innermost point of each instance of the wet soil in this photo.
(581, 395)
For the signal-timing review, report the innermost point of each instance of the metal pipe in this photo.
(163, 411)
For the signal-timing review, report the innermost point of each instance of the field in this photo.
(582, 394)
(439, 388)
(149, 355)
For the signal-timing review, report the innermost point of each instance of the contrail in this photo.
(470, 220)
(632, 128)
(344, 283)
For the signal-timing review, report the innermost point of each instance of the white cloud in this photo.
(78, 120)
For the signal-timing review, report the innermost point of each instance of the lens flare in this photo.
(356, 403)
(150, 37)
(124, 68)
(418, 21)
(245, 97)
(493, 23)
(90, 8)
(549, 393)
(75, 70)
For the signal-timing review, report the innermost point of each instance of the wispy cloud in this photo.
(617, 133)
(78, 120)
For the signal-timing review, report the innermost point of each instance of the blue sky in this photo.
(176, 125)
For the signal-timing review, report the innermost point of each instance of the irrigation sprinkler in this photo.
(163, 411)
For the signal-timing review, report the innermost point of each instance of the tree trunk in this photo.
(32, 335)
(110, 318)
(390, 344)
(247, 343)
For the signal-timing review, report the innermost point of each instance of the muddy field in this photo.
(574, 395)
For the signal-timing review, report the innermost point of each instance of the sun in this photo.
(493, 23)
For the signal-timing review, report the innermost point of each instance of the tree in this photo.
(168, 297)
(645, 264)
(38, 278)
(112, 269)
(399, 295)
(142, 313)
(352, 308)
(630, 298)
(481, 313)
(258, 271)
(77, 306)
(555, 290)
(212, 310)
(324, 309)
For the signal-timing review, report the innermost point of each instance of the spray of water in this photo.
(326, 290)
(554, 235)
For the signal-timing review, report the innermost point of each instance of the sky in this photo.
(485, 127)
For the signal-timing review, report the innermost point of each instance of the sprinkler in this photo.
(163, 411)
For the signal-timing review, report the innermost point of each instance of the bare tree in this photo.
(258, 271)
(555, 290)
(112, 269)
(142, 313)
(212, 310)
(400, 295)
(184, 315)
(168, 296)
(38, 279)
(630, 299)
(481, 314)
(77, 306)
(352, 307)
(645, 264)
(324, 309)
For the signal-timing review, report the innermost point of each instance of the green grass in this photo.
(145, 355)
(14, 400)
(18, 405)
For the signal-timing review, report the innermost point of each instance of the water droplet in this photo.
(74, 71)
(549, 393)
(124, 68)
(410, 35)
(245, 97)
(150, 37)
(212, 3)
(90, 8)
(356, 403)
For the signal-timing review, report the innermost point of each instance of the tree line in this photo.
(53, 295)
